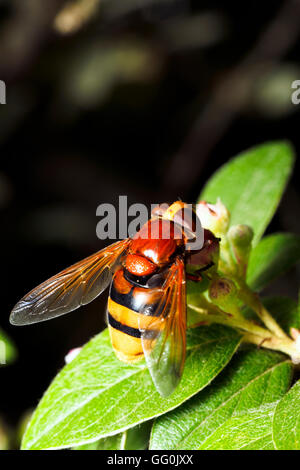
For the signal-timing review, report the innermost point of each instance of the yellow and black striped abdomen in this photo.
(124, 318)
(125, 339)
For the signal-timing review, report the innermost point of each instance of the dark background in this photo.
(139, 98)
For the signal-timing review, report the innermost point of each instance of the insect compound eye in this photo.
(209, 254)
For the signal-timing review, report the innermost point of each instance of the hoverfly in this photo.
(146, 311)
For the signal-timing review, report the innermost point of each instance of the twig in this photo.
(253, 301)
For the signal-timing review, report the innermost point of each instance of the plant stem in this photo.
(253, 333)
(223, 318)
(252, 300)
(279, 344)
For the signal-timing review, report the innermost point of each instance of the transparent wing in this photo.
(75, 286)
(164, 338)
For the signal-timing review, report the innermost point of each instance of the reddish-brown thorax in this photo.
(139, 265)
(153, 246)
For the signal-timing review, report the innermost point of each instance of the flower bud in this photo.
(241, 235)
(72, 354)
(295, 334)
(208, 256)
(214, 217)
(223, 293)
(240, 238)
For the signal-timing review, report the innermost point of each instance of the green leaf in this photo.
(251, 185)
(254, 378)
(286, 424)
(107, 443)
(7, 349)
(274, 255)
(251, 430)
(136, 438)
(283, 309)
(96, 395)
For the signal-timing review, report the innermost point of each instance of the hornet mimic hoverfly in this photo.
(146, 311)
